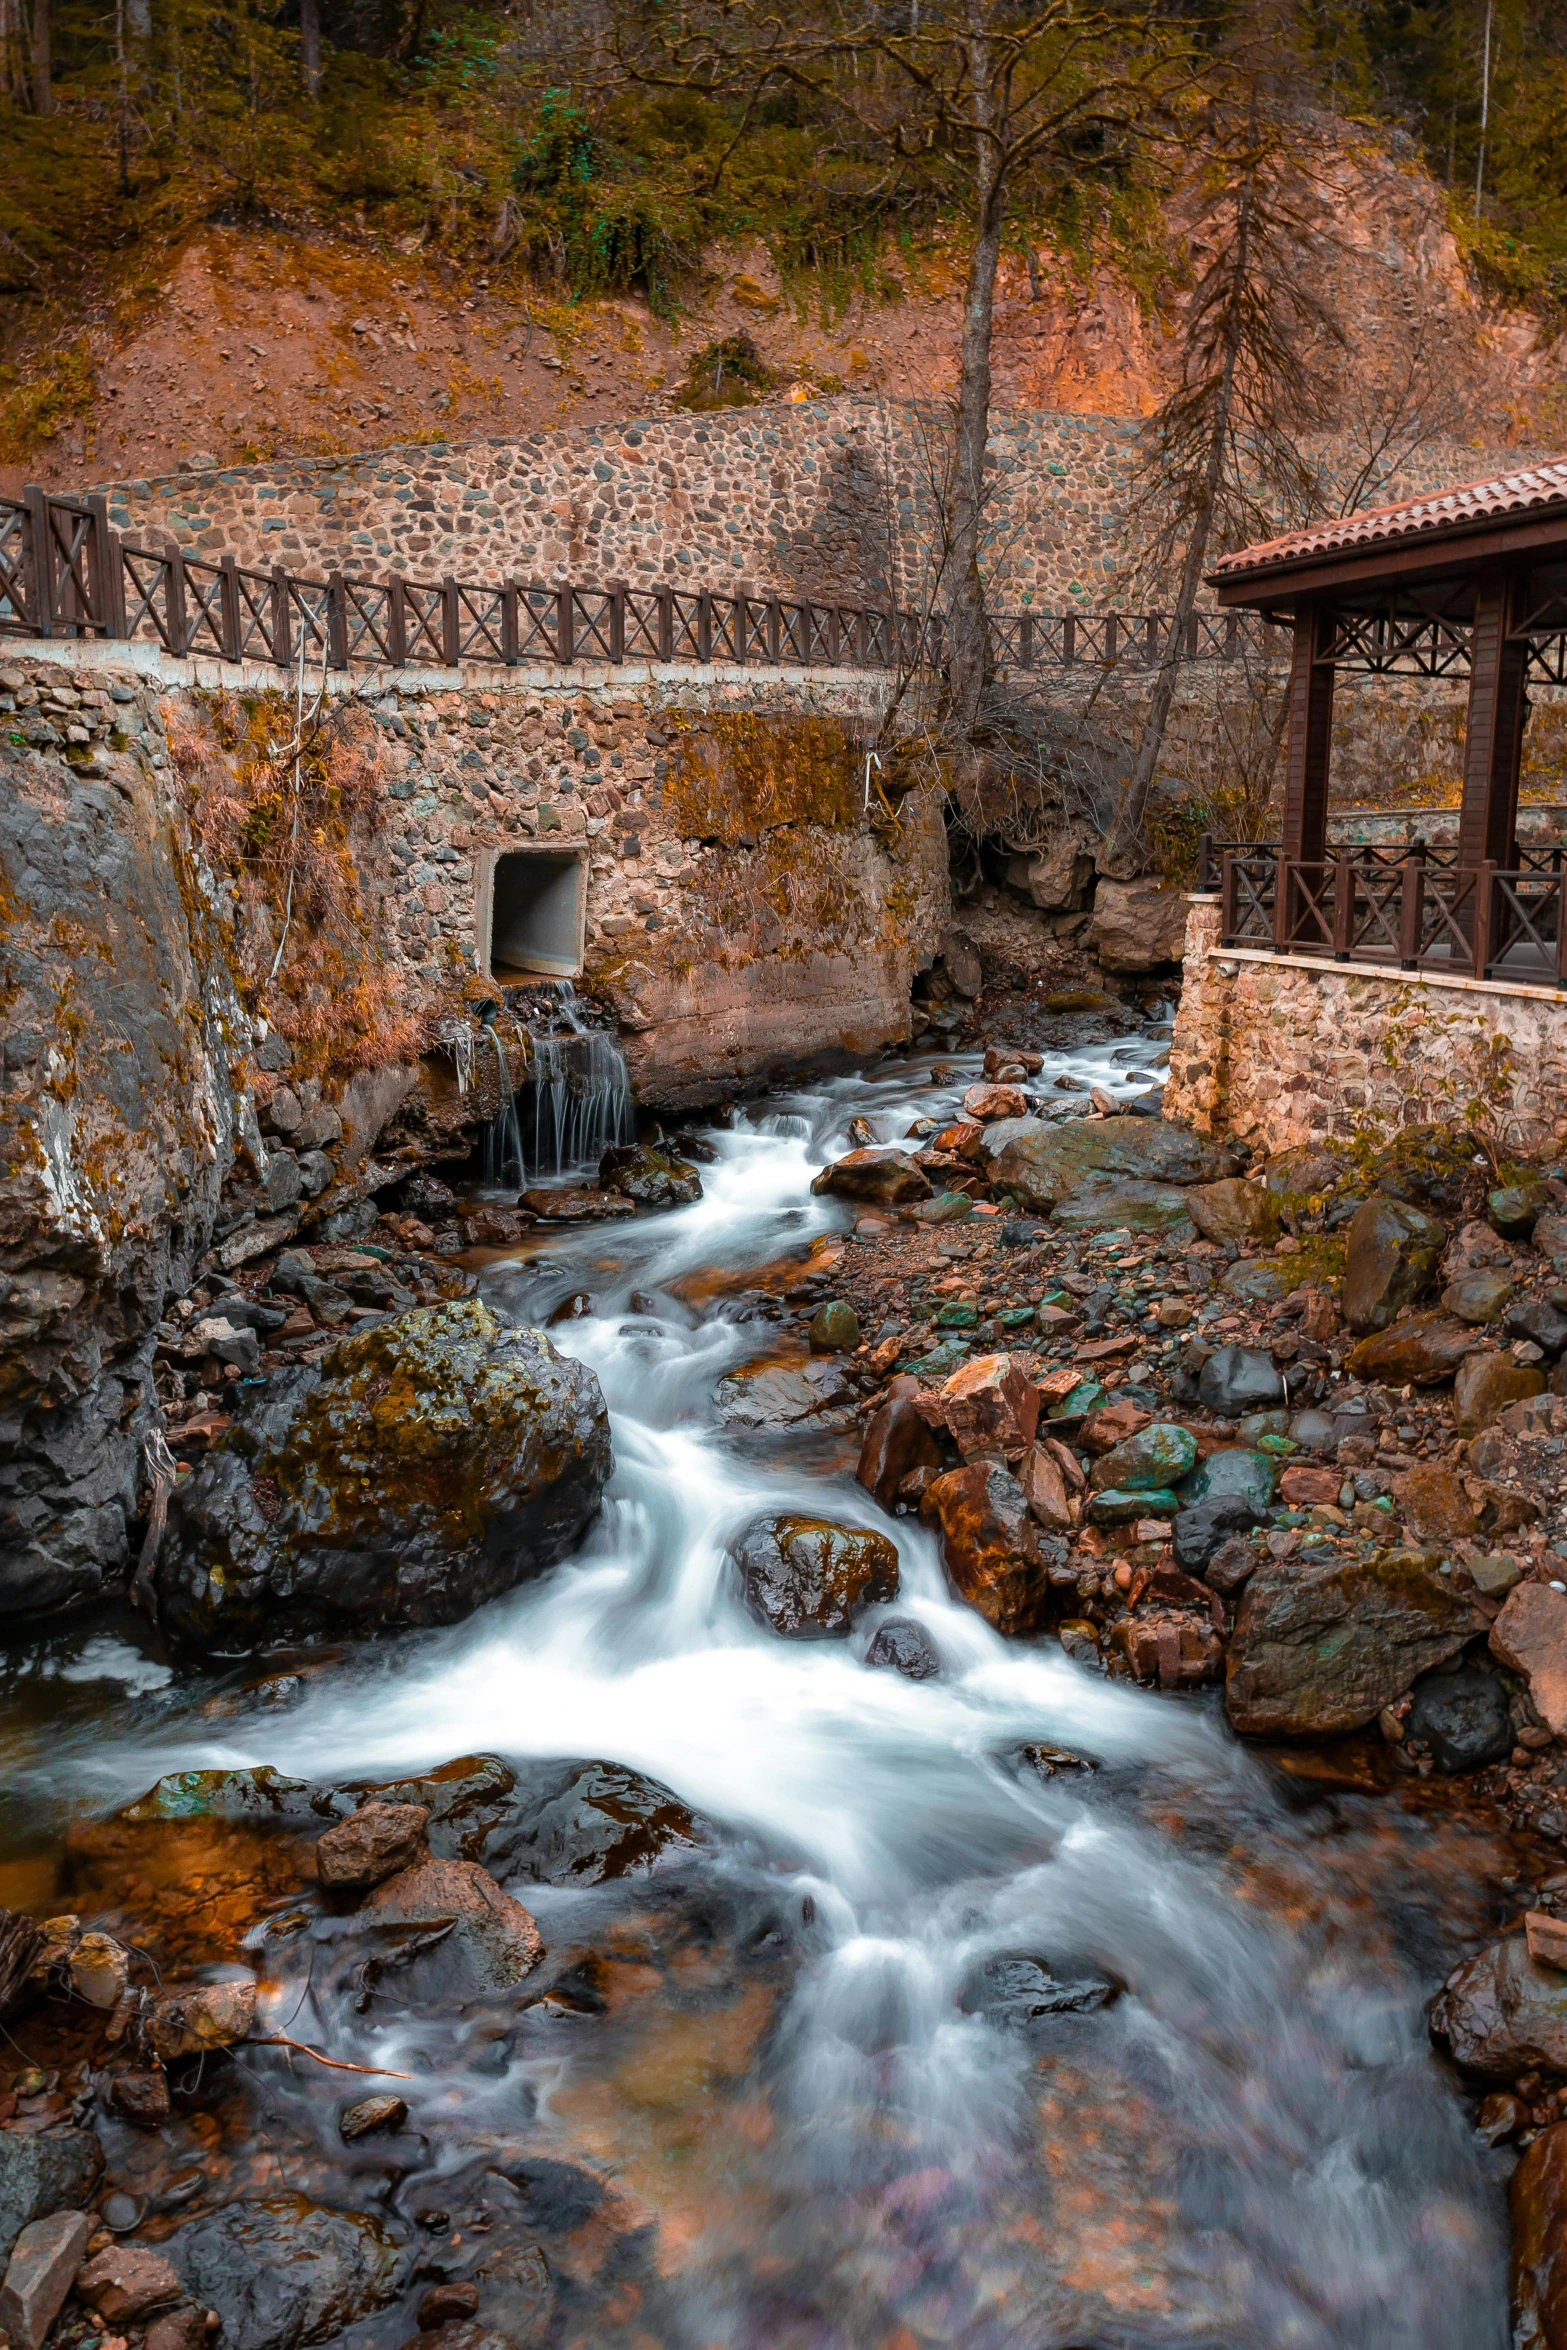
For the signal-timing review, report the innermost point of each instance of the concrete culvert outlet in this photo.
(536, 913)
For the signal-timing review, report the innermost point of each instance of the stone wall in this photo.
(1280, 1050)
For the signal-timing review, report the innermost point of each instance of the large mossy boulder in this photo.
(1391, 1254)
(1320, 1649)
(420, 1469)
(1041, 1161)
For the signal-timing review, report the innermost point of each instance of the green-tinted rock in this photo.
(1080, 999)
(1236, 1470)
(1086, 1396)
(1320, 1646)
(653, 1178)
(1392, 1251)
(1430, 1166)
(1477, 1297)
(1158, 1455)
(1259, 1281)
(1042, 1161)
(1515, 1208)
(1137, 1207)
(1114, 1508)
(421, 1468)
(957, 1317)
(1015, 1317)
(1256, 1424)
(948, 1207)
(1283, 1446)
(941, 1359)
(834, 1329)
(261, 1794)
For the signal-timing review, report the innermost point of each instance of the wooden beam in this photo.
(1310, 739)
(1493, 733)
(1422, 555)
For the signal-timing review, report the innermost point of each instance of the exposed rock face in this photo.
(493, 1943)
(422, 1468)
(1321, 1649)
(990, 1545)
(1239, 1379)
(1463, 1718)
(1530, 1635)
(372, 1844)
(991, 1408)
(1137, 925)
(1500, 2013)
(903, 1646)
(1391, 1253)
(1537, 2202)
(1043, 1162)
(806, 1395)
(809, 1579)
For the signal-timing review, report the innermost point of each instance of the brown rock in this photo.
(372, 1844)
(444, 2303)
(1435, 1506)
(991, 1407)
(182, 2329)
(371, 2114)
(897, 1442)
(215, 2015)
(1392, 1251)
(1547, 1939)
(961, 1141)
(985, 1103)
(1112, 1425)
(575, 1206)
(1301, 1488)
(1530, 1635)
(1040, 1475)
(461, 2334)
(1537, 2203)
(128, 2282)
(1502, 2015)
(1415, 1353)
(1319, 1649)
(1234, 1209)
(1485, 1386)
(885, 1176)
(990, 1545)
(38, 2275)
(141, 2097)
(500, 1944)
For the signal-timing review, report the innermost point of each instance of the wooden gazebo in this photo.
(1469, 583)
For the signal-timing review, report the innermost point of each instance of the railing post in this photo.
(175, 603)
(396, 622)
(1561, 920)
(1411, 911)
(737, 622)
(116, 583)
(1111, 638)
(336, 621)
(1283, 912)
(774, 629)
(282, 648)
(1227, 899)
(510, 595)
(40, 556)
(228, 607)
(704, 624)
(100, 592)
(1484, 873)
(451, 625)
(1343, 908)
(1068, 639)
(565, 626)
(617, 620)
(666, 623)
(1025, 639)
(1205, 861)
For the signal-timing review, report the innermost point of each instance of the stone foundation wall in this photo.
(1278, 1050)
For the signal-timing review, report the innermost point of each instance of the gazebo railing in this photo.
(1409, 908)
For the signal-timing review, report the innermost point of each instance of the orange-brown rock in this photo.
(1112, 1425)
(1435, 1506)
(961, 1141)
(889, 1178)
(372, 1844)
(897, 1442)
(1301, 1488)
(1417, 1352)
(1484, 1387)
(991, 1408)
(1537, 2201)
(1530, 1636)
(987, 1103)
(1043, 1481)
(990, 1545)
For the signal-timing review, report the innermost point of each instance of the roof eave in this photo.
(1397, 561)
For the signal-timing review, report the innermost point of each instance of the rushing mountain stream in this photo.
(1008, 2006)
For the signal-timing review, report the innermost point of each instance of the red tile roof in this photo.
(1531, 488)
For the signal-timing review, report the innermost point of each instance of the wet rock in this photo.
(1435, 1506)
(38, 2276)
(1159, 1455)
(653, 1178)
(593, 1822)
(1042, 1161)
(51, 2171)
(575, 1308)
(463, 2334)
(370, 2115)
(1320, 1647)
(127, 2283)
(1109, 1507)
(1477, 1297)
(445, 2303)
(493, 1943)
(1530, 1636)
(574, 1204)
(986, 1103)
(1515, 1208)
(1234, 1209)
(815, 1393)
(260, 1795)
(372, 1844)
(903, 1646)
(809, 1579)
(889, 1178)
(1537, 2207)
(1239, 1379)
(141, 2096)
(422, 1468)
(990, 1545)
(991, 1408)
(192, 2023)
(1463, 1718)
(1023, 1993)
(98, 1970)
(897, 1442)
(283, 2273)
(834, 1329)
(1392, 1250)
(1483, 1387)
(1301, 1488)
(1502, 2015)
(1417, 1352)
(1137, 925)
(1231, 1565)
(466, 1799)
(1543, 1324)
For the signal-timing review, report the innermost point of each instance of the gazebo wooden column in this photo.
(1493, 733)
(1307, 760)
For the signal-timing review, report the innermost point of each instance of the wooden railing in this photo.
(1409, 907)
(65, 573)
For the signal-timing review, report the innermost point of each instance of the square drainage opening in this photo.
(536, 914)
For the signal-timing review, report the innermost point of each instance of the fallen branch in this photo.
(281, 2040)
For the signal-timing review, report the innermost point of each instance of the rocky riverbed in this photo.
(941, 1727)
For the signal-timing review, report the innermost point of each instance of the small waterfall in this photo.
(581, 1093)
(503, 1162)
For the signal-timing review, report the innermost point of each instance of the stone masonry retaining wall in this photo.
(1280, 1050)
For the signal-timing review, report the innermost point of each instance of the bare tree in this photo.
(43, 72)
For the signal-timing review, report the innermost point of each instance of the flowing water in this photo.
(1252, 2147)
(581, 1094)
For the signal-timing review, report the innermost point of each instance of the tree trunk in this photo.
(968, 651)
(43, 78)
(1126, 831)
(310, 46)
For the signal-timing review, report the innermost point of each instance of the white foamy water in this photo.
(1253, 2147)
